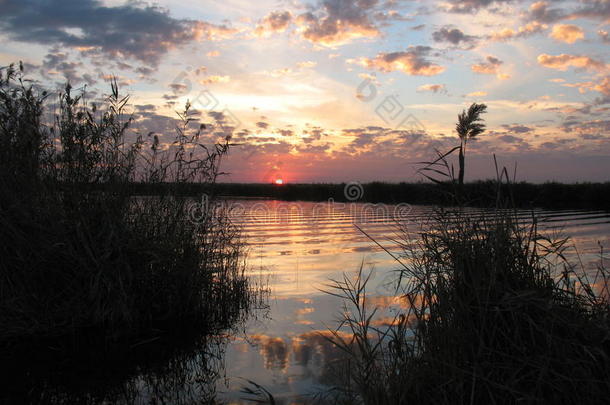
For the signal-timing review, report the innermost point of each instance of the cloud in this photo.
(274, 22)
(337, 22)
(588, 129)
(510, 139)
(215, 79)
(453, 36)
(435, 88)
(134, 30)
(592, 9)
(603, 87)
(306, 64)
(540, 11)
(491, 66)
(477, 94)
(280, 72)
(410, 62)
(567, 33)
(518, 128)
(564, 61)
(604, 36)
(523, 31)
(178, 88)
(58, 63)
(469, 6)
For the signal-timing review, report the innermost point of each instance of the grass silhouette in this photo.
(81, 257)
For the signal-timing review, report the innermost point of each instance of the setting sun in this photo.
(279, 181)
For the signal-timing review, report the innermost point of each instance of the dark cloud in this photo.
(510, 139)
(60, 67)
(313, 134)
(178, 88)
(362, 138)
(435, 88)
(593, 9)
(549, 145)
(134, 30)
(469, 6)
(591, 137)
(540, 11)
(276, 21)
(314, 148)
(57, 62)
(145, 107)
(516, 128)
(334, 22)
(453, 36)
(285, 132)
(413, 61)
(144, 71)
(490, 66)
(589, 127)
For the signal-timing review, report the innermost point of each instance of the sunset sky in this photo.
(335, 90)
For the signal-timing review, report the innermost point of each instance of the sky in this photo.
(337, 90)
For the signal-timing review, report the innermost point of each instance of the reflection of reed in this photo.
(180, 368)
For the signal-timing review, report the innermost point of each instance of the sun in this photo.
(279, 182)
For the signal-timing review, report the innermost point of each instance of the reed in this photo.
(495, 313)
(82, 258)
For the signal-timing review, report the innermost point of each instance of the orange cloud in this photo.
(338, 22)
(212, 32)
(274, 22)
(338, 34)
(307, 64)
(215, 79)
(567, 33)
(526, 30)
(411, 62)
(491, 66)
(435, 88)
(602, 87)
(564, 61)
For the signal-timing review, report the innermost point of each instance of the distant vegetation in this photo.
(480, 193)
(82, 259)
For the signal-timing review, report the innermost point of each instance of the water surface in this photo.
(300, 246)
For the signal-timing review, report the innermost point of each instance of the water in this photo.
(294, 249)
(300, 246)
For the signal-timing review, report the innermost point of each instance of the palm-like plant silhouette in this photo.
(469, 125)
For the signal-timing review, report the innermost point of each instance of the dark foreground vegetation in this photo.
(493, 313)
(88, 271)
